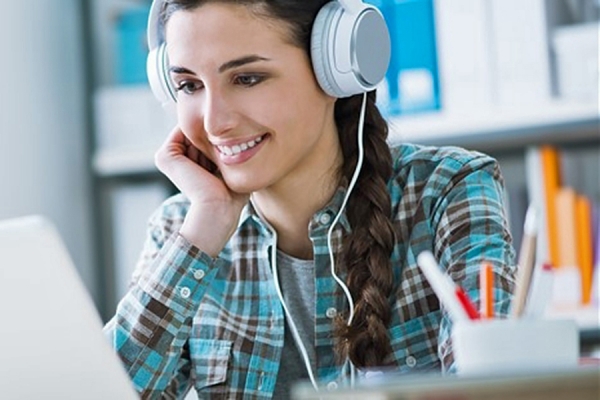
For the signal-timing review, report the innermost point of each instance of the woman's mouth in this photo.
(240, 147)
(240, 152)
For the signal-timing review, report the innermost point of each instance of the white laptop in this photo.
(51, 340)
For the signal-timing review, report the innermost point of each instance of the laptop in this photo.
(51, 340)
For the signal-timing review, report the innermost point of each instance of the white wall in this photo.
(43, 166)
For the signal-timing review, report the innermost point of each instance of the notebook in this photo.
(51, 340)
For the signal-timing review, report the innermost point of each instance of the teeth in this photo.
(238, 148)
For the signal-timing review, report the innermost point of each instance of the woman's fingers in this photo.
(189, 169)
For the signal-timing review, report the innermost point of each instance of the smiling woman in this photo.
(291, 251)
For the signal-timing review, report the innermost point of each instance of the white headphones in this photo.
(350, 50)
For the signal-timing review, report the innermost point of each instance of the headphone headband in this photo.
(352, 6)
(154, 24)
(350, 49)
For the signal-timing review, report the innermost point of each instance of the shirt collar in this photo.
(250, 213)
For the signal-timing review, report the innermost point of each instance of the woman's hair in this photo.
(367, 249)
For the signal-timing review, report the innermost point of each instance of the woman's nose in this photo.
(220, 115)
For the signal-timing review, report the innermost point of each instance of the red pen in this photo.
(466, 303)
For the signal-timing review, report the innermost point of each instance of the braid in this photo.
(367, 250)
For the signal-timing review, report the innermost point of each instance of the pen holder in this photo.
(509, 345)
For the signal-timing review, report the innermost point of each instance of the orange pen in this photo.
(486, 288)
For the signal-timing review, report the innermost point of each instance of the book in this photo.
(567, 255)
(584, 239)
(542, 165)
(551, 176)
(521, 52)
(595, 289)
(465, 67)
(411, 83)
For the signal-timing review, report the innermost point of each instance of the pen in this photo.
(526, 262)
(445, 289)
(486, 290)
(466, 303)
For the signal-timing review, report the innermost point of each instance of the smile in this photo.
(239, 148)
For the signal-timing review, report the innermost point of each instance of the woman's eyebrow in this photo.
(180, 70)
(238, 62)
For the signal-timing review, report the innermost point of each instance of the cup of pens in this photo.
(484, 345)
(513, 345)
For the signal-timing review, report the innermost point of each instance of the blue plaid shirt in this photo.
(216, 324)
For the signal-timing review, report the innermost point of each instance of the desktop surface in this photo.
(581, 383)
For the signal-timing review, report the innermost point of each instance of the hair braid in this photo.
(366, 251)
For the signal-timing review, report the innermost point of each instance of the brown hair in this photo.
(367, 249)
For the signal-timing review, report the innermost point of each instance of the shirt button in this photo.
(261, 380)
(185, 292)
(332, 385)
(331, 312)
(411, 361)
(198, 274)
(324, 218)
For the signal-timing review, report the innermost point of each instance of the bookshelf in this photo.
(503, 128)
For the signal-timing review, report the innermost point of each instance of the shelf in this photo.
(556, 122)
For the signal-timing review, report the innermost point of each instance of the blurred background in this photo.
(517, 79)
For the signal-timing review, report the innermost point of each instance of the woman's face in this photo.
(248, 99)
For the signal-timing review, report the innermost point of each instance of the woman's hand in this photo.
(215, 209)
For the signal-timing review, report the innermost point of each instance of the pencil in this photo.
(486, 290)
(526, 262)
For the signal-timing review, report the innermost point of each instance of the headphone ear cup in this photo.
(350, 51)
(320, 48)
(158, 75)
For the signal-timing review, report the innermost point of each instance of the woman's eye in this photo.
(188, 87)
(249, 80)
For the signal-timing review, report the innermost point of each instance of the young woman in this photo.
(257, 275)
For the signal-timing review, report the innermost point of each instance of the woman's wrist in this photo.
(208, 228)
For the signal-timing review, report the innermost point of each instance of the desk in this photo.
(582, 384)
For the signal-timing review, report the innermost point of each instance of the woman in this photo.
(236, 293)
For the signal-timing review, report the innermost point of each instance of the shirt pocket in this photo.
(415, 343)
(210, 360)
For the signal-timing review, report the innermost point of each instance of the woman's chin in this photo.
(242, 185)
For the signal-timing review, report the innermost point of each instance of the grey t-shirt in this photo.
(297, 282)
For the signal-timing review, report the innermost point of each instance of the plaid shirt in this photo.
(217, 324)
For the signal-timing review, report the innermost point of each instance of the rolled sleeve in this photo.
(471, 229)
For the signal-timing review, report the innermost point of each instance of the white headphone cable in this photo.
(341, 283)
(359, 162)
(291, 322)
